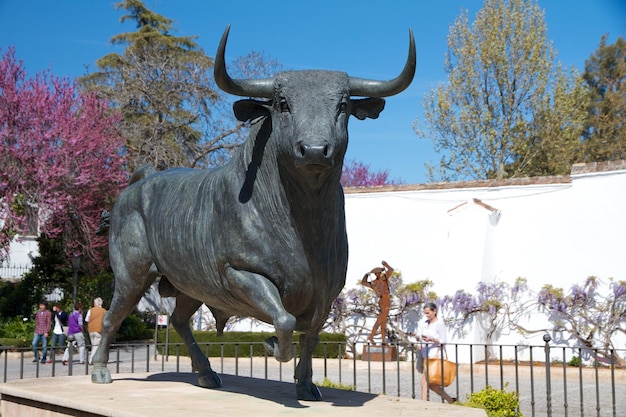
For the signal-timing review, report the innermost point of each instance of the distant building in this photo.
(22, 251)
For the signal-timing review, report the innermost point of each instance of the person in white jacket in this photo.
(432, 335)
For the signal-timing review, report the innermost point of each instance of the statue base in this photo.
(177, 394)
(379, 353)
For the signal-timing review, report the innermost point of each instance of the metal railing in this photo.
(13, 271)
(540, 375)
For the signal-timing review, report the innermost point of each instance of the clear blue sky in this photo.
(363, 38)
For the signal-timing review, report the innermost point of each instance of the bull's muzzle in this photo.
(314, 155)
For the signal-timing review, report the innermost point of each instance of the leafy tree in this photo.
(50, 270)
(358, 174)
(605, 74)
(173, 114)
(161, 85)
(19, 298)
(507, 110)
(60, 158)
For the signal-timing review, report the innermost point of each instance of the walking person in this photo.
(75, 334)
(59, 330)
(43, 321)
(432, 335)
(94, 318)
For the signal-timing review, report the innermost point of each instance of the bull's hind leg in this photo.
(263, 295)
(185, 307)
(305, 387)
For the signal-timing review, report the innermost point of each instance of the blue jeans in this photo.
(44, 344)
(58, 342)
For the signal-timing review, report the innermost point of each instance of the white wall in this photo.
(21, 253)
(556, 233)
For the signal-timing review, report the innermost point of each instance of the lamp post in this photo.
(75, 266)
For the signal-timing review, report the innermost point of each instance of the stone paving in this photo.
(599, 393)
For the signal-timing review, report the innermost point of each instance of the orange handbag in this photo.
(441, 371)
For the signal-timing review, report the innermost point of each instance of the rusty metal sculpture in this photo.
(263, 236)
(380, 285)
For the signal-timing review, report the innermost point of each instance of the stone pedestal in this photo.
(178, 394)
(378, 353)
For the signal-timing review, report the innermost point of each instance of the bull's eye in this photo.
(284, 107)
(343, 106)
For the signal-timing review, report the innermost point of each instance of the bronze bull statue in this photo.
(263, 236)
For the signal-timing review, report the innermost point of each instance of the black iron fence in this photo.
(550, 381)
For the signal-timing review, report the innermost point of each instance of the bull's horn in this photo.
(374, 88)
(263, 87)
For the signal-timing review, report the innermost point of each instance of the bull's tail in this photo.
(141, 173)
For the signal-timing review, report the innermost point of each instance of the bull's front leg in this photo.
(305, 387)
(263, 295)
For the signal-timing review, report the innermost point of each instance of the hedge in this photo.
(240, 342)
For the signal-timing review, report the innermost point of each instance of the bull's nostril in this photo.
(326, 151)
(301, 149)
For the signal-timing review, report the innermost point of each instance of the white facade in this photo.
(556, 233)
(21, 254)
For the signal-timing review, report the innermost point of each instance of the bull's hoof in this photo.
(101, 375)
(308, 392)
(209, 379)
(282, 355)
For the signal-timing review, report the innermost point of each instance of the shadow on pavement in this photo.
(283, 393)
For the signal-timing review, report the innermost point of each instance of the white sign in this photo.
(162, 319)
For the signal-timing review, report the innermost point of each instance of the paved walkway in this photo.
(600, 394)
(177, 394)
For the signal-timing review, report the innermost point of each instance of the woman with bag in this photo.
(432, 336)
(75, 334)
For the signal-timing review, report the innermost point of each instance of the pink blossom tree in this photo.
(61, 157)
(358, 174)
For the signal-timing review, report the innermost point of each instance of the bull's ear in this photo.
(250, 109)
(367, 107)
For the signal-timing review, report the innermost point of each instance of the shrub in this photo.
(497, 403)
(21, 297)
(330, 384)
(240, 342)
(15, 343)
(16, 331)
(133, 328)
(575, 361)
